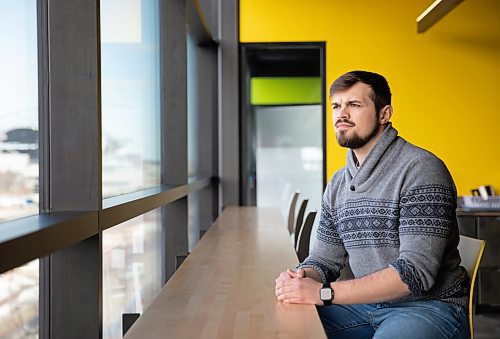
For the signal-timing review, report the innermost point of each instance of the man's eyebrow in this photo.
(355, 101)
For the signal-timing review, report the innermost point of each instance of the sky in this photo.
(18, 65)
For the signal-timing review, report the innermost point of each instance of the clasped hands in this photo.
(295, 288)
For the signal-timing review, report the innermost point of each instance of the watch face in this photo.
(326, 294)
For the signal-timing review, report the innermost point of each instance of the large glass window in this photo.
(194, 219)
(18, 110)
(130, 95)
(131, 269)
(192, 105)
(192, 125)
(18, 157)
(19, 302)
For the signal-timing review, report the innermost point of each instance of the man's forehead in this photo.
(358, 92)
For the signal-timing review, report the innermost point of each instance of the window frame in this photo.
(67, 233)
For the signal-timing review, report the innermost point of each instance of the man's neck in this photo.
(362, 152)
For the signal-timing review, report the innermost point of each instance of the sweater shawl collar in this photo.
(358, 176)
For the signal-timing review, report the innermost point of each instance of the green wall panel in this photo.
(285, 91)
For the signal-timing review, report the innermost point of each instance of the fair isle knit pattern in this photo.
(397, 210)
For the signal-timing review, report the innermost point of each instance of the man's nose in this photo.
(343, 113)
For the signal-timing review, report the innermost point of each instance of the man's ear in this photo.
(385, 114)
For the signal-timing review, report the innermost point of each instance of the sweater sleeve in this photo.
(427, 217)
(327, 254)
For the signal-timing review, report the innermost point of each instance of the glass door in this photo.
(283, 124)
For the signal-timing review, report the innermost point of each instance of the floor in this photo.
(487, 326)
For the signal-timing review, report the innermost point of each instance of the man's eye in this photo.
(355, 105)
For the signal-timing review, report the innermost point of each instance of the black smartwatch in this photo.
(326, 294)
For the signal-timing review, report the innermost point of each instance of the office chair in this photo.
(471, 251)
(300, 220)
(302, 248)
(291, 212)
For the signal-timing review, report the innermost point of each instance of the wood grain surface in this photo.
(225, 287)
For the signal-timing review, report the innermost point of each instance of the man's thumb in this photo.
(301, 273)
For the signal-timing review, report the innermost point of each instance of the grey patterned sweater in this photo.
(397, 209)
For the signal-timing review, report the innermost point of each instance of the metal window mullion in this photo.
(229, 119)
(207, 131)
(44, 158)
(173, 63)
(74, 179)
(206, 114)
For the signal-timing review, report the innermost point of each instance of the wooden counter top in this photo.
(225, 287)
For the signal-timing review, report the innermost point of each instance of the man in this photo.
(391, 211)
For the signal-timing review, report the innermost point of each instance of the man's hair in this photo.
(381, 93)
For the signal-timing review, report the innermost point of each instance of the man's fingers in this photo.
(300, 273)
(283, 275)
(280, 290)
(283, 279)
(285, 296)
(282, 282)
(290, 298)
(286, 281)
(290, 274)
(283, 288)
(298, 291)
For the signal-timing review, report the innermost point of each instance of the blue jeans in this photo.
(409, 320)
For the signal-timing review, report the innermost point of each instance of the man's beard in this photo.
(356, 141)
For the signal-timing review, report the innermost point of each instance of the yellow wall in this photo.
(445, 82)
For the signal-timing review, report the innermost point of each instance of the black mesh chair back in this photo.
(291, 212)
(300, 220)
(304, 237)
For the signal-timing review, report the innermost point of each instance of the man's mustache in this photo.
(344, 121)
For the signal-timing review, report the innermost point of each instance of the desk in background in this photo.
(484, 225)
(225, 287)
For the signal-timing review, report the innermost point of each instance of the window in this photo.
(193, 134)
(19, 157)
(38, 58)
(130, 95)
(131, 269)
(192, 105)
(130, 72)
(19, 302)
(19, 110)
